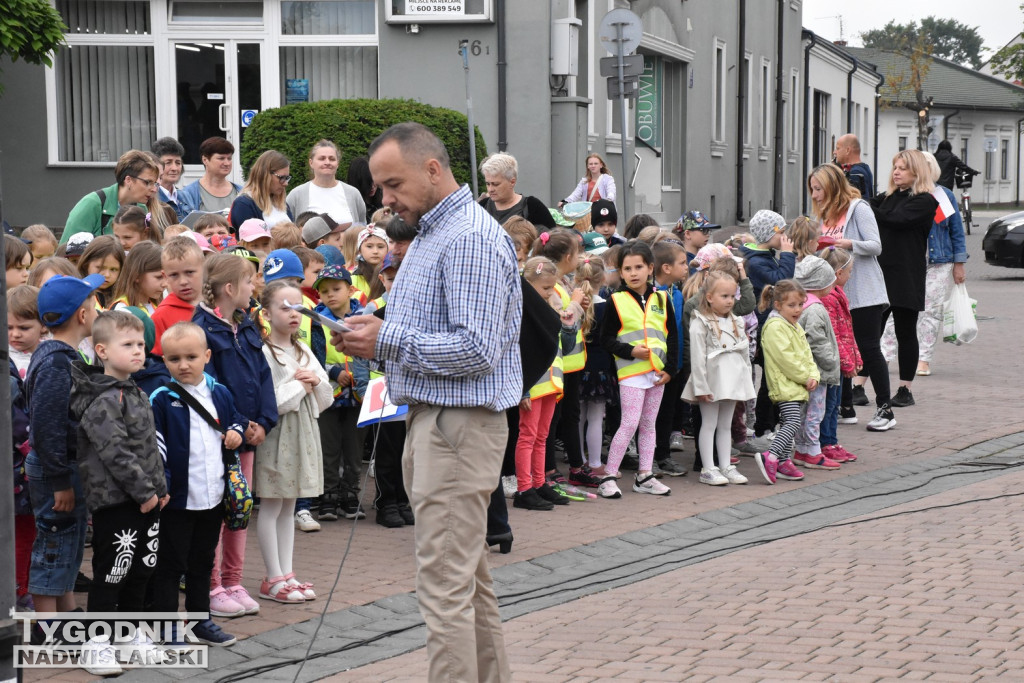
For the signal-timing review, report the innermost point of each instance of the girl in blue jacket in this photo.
(237, 362)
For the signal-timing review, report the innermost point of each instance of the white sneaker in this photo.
(650, 485)
(631, 448)
(142, 649)
(733, 475)
(304, 521)
(713, 477)
(675, 442)
(509, 485)
(99, 658)
(757, 444)
(609, 489)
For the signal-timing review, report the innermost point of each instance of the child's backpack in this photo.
(20, 447)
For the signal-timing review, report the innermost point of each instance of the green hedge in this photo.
(352, 125)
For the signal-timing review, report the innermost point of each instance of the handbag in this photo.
(959, 324)
(237, 494)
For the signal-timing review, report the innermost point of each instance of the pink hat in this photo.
(203, 243)
(708, 254)
(252, 229)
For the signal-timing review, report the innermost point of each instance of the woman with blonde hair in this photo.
(597, 183)
(325, 193)
(263, 195)
(905, 214)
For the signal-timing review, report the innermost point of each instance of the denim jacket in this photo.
(946, 240)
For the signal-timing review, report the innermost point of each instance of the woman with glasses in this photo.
(325, 193)
(263, 195)
(137, 174)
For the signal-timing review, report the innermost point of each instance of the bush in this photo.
(352, 125)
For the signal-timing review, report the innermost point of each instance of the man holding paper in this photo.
(456, 364)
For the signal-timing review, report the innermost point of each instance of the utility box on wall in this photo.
(565, 38)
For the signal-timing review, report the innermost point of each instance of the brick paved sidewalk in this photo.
(925, 596)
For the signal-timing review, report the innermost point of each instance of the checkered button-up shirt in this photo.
(452, 329)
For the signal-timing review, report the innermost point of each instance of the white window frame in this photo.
(748, 67)
(794, 110)
(765, 118)
(718, 108)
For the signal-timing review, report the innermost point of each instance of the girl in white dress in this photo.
(289, 463)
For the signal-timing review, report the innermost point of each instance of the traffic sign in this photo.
(247, 116)
(632, 65)
(632, 31)
(991, 144)
(629, 87)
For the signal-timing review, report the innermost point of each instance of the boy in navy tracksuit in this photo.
(194, 467)
(765, 267)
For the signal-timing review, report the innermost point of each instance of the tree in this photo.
(905, 84)
(948, 39)
(1009, 60)
(30, 30)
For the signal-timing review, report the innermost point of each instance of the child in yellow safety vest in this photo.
(637, 332)
(538, 405)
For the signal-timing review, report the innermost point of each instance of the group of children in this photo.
(654, 338)
(141, 369)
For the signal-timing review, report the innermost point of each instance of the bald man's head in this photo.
(847, 149)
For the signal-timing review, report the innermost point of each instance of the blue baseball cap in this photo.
(63, 295)
(388, 262)
(282, 263)
(332, 272)
(332, 255)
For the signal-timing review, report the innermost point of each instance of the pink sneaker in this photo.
(787, 470)
(833, 453)
(241, 596)
(223, 605)
(850, 457)
(815, 462)
(768, 464)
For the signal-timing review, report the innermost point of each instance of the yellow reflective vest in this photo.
(551, 382)
(576, 359)
(647, 326)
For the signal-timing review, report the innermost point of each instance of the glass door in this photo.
(219, 91)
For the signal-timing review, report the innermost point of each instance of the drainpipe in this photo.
(878, 100)
(807, 112)
(945, 123)
(499, 7)
(780, 110)
(741, 98)
(849, 95)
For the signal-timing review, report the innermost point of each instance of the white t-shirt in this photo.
(275, 216)
(205, 472)
(330, 200)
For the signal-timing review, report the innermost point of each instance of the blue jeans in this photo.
(60, 536)
(830, 422)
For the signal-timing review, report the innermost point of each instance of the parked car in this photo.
(1004, 241)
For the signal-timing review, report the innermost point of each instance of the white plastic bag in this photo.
(959, 325)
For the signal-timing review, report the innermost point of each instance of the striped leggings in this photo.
(790, 423)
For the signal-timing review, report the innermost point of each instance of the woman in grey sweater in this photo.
(850, 221)
(325, 193)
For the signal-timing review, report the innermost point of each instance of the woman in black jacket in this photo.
(905, 214)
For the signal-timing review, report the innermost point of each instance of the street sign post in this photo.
(621, 31)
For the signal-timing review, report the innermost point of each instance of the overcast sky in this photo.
(998, 21)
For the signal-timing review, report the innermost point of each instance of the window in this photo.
(332, 72)
(903, 142)
(865, 144)
(794, 111)
(206, 12)
(1004, 160)
(766, 102)
(988, 166)
(748, 109)
(718, 88)
(963, 150)
(822, 149)
(104, 94)
(329, 17)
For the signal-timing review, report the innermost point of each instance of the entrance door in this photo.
(219, 90)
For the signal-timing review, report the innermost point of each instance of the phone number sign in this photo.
(451, 8)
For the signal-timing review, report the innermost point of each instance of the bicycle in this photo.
(964, 181)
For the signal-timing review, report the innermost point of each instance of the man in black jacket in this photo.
(949, 164)
(858, 173)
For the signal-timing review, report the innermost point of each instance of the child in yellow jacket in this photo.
(790, 371)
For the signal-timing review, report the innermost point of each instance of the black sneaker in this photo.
(903, 398)
(883, 420)
(351, 509)
(531, 500)
(847, 415)
(584, 477)
(550, 495)
(406, 513)
(671, 468)
(327, 510)
(389, 517)
(860, 397)
(83, 584)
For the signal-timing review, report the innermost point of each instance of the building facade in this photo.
(716, 126)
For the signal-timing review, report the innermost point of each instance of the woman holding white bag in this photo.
(947, 256)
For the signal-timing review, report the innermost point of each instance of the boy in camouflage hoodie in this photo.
(122, 473)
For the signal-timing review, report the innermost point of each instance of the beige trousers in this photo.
(451, 464)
